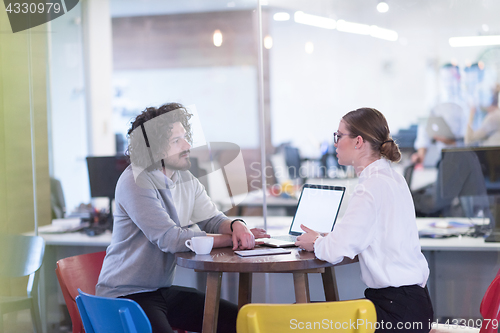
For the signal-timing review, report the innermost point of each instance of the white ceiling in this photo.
(463, 17)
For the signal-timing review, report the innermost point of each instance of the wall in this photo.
(23, 64)
(171, 58)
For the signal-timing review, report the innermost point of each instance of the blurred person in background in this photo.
(488, 133)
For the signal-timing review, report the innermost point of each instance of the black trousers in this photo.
(182, 308)
(402, 309)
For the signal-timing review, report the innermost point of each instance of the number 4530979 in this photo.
(33, 8)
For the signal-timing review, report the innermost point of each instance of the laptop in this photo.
(317, 209)
(437, 126)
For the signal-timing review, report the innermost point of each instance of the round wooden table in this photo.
(298, 262)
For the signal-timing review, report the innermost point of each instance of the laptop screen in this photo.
(318, 208)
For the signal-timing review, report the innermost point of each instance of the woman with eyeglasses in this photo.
(379, 227)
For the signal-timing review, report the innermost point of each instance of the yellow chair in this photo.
(346, 316)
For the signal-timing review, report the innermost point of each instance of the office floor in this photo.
(20, 322)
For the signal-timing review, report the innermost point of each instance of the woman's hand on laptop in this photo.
(259, 233)
(307, 239)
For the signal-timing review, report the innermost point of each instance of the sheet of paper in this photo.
(262, 252)
(63, 225)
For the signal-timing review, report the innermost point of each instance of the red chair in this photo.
(490, 307)
(82, 272)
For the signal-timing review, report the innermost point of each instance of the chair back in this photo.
(408, 174)
(20, 255)
(111, 315)
(262, 318)
(490, 307)
(82, 272)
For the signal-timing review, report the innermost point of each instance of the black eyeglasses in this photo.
(337, 136)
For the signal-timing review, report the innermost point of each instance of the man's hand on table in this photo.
(244, 238)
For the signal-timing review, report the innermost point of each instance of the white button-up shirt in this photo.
(380, 227)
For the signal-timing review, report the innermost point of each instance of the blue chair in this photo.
(111, 315)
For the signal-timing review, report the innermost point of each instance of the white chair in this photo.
(21, 256)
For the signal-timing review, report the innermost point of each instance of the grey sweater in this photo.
(153, 218)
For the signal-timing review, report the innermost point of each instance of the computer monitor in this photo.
(473, 171)
(470, 171)
(104, 172)
(293, 161)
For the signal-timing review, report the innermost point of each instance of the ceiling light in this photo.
(313, 20)
(268, 42)
(382, 7)
(355, 28)
(383, 33)
(281, 16)
(309, 47)
(474, 41)
(217, 38)
(485, 27)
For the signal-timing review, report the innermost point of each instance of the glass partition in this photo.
(206, 58)
(262, 78)
(331, 57)
(68, 112)
(413, 61)
(319, 61)
(202, 55)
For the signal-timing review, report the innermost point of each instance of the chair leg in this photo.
(35, 316)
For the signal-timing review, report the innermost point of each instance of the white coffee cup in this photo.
(200, 244)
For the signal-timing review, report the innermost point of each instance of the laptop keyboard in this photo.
(288, 238)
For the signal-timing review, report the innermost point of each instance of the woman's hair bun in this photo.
(390, 150)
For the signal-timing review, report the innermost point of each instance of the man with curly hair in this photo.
(159, 205)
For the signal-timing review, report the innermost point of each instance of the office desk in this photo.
(287, 204)
(461, 270)
(298, 262)
(254, 199)
(77, 239)
(461, 243)
(420, 179)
